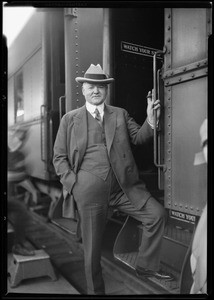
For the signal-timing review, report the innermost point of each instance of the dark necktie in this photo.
(98, 117)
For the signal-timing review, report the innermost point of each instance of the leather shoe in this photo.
(21, 250)
(141, 272)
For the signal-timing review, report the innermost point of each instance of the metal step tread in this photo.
(130, 258)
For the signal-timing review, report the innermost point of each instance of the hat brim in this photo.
(199, 158)
(83, 79)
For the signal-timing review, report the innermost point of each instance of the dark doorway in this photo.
(137, 33)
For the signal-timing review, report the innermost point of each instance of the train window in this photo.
(19, 97)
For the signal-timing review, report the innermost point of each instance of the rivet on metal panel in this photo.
(76, 44)
(76, 72)
(76, 36)
(77, 58)
(169, 40)
(77, 65)
(180, 205)
(169, 151)
(169, 133)
(77, 93)
(83, 72)
(184, 69)
(167, 83)
(179, 79)
(169, 98)
(76, 51)
(77, 100)
(72, 12)
(186, 206)
(208, 21)
(175, 204)
(198, 64)
(169, 159)
(171, 73)
(169, 66)
(191, 207)
(168, 27)
(169, 52)
(169, 203)
(192, 75)
(169, 116)
(169, 16)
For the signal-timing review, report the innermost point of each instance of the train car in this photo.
(143, 48)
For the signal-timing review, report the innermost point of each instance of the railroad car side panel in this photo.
(185, 92)
(83, 46)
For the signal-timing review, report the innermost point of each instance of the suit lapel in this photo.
(109, 125)
(80, 126)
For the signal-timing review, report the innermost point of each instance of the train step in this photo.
(127, 253)
(171, 287)
(43, 286)
(25, 267)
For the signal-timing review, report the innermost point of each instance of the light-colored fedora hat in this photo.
(94, 74)
(199, 157)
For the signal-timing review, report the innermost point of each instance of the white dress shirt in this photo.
(91, 108)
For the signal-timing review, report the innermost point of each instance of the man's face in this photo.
(95, 93)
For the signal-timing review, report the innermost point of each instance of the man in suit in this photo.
(198, 259)
(93, 157)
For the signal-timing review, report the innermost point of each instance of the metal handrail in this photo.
(42, 112)
(156, 162)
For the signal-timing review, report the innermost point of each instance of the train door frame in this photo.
(129, 46)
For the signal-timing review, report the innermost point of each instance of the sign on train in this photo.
(138, 49)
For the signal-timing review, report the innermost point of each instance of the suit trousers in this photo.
(93, 196)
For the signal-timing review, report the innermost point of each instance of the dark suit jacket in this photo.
(120, 130)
